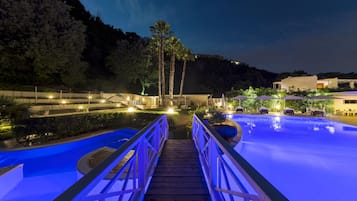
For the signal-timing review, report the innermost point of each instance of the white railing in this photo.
(228, 175)
(128, 180)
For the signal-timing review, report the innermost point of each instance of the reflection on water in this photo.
(302, 156)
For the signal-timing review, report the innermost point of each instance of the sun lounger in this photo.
(239, 110)
(263, 110)
(289, 111)
(317, 113)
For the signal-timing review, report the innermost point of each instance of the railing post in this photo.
(142, 161)
(213, 156)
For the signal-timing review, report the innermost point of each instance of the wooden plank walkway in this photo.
(178, 176)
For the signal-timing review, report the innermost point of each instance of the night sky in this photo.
(276, 35)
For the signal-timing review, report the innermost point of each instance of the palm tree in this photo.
(154, 46)
(174, 47)
(161, 31)
(186, 56)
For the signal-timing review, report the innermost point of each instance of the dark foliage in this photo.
(216, 75)
(49, 128)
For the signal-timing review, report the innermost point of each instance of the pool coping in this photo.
(62, 141)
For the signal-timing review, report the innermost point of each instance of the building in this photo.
(345, 103)
(303, 83)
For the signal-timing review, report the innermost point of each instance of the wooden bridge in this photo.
(178, 175)
(174, 169)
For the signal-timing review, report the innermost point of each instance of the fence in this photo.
(228, 175)
(130, 180)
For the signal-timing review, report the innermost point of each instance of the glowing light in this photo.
(50, 97)
(229, 111)
(118, 105)
(128, 98)
(63, 101)
(90, 97)
(143, 99)
(229, 116)
(277, 106)
(131, 109)
(80, 107)
(102, 101)
(276, 123)
(170, 111)
(331, 129)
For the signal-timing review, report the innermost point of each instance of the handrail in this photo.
(131, 180)
(227, 173)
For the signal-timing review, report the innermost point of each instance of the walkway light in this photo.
(131, 109)
(63, 101)
(170, 110)
(80, 107)
(102, 101)
(50, 97)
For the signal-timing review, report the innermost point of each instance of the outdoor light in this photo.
(50, 97)
(277, 106)
(143, 99)
(131, 109)
(128, 98)
(230, 112)
(63, 101)
(118, 105)
(90, 97)
(170, 111)
(80, 107)
(102, 101)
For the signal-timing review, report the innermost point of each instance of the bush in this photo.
(48, 128)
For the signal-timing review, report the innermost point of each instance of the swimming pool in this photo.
(305, 158)
(48, 171)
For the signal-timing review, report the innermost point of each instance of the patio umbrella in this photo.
(239, 98)
(322, 97)
(291, 97)
(261, 98)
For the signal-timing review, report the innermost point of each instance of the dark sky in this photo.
(277, 35)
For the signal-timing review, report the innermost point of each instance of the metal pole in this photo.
(35, 94)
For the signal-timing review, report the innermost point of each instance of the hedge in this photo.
(47, 128)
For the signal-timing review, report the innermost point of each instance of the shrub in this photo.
(72, 125)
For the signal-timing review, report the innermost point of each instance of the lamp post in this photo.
(89, 98)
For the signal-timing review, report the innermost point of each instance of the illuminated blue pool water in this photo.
(48, 171)
(305, 158)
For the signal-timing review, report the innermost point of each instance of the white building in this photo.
(303, 83)
(345, 103)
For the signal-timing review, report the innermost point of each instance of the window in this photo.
(350, 101)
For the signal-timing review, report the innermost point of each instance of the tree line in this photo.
(58, 44)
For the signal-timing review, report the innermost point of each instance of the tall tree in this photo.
(174, 47)
(186, 55)
(130, 63)
(40, 38)
(161, 31)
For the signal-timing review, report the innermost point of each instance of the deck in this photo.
(178, 175)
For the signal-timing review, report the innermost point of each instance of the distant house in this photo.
(345, 103)
(303, 83)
